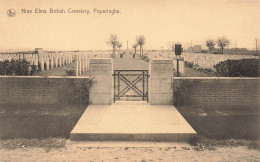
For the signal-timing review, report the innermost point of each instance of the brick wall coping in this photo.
(228, 78)
(79, 77)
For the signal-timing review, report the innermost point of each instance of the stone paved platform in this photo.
(132, 122)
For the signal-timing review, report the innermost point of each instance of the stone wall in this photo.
(37, 89)
(101, 92)
(220, 91)
(161, 72)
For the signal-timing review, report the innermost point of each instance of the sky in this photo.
(160, 21)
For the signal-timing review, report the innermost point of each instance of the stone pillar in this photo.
(39, 55)
(101, 90)
(30, 59)
(82, 64)
(70, 59)
(36, 61)
(63, 60)
(86, 64)
(59, 60)
(80, 67)
(161, 72)
(56, 60)
(183, 68)
(77, 65)
(52, 61)
(47, 60)
(42, 63)
(174, 61)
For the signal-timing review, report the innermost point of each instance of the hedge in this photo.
(238, 68)
(17, 67)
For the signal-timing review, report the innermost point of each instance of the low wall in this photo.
(37, 89)
(219, 91)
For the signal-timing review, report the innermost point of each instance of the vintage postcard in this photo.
(129, 80)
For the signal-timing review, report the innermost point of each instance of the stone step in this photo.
(155, 137)
(132, 122)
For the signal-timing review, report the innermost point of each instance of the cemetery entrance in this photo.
(131, 85)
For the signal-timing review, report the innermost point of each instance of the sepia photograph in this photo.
(129, 80)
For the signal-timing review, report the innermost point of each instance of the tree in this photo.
(113, 41)
(162, 48)
(140, 41)
(210, 44)
(222, 43)
(135, 46)
(119, 45)
(171, 46)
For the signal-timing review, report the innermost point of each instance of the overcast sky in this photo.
(160, 21)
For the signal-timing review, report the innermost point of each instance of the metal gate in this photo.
(130, 85)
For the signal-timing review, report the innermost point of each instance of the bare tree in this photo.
(135, 46)
(113, 41)
(162, 48)
(119, 45)
(222, 43)
(140, 41)
(171, 46)
(210, 44)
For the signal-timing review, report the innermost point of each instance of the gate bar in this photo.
(144, 73)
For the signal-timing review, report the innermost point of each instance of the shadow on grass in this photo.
(38, 121)
(223, 122)
(222, 126)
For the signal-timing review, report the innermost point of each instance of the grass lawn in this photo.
(59, 71)
(223, 122)
(38, 121)
(189, 72)
(222, 126)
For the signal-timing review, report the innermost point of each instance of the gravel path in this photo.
(149, 152)
(129, 63)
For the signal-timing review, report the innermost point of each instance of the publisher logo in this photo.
(11, 12)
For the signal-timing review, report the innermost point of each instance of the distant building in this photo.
(195, 49)
(39, 50)
(236, 50)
